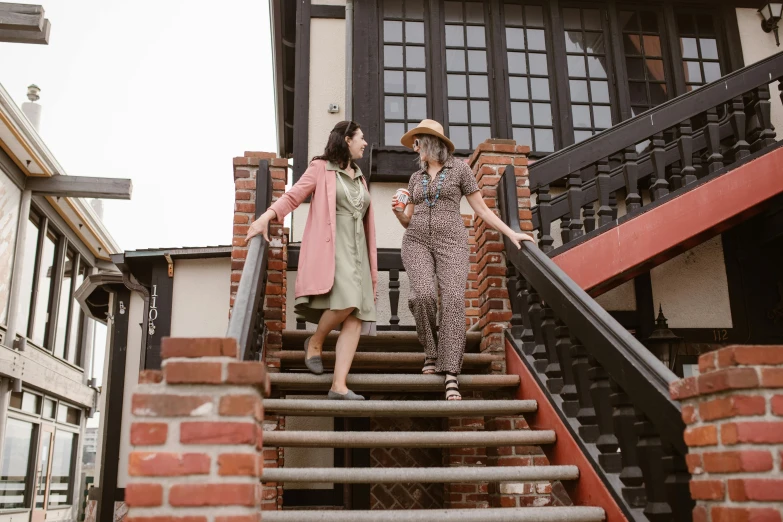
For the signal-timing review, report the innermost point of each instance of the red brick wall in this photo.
(196, 435)
(734, 413)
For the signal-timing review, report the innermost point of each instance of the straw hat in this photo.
(431, 127)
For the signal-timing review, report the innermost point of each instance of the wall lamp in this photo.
(770, 15)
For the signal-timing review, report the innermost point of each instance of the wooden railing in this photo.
(247, 315)
(389, 260)
(610, 391)
(663, 151)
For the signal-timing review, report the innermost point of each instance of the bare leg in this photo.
(346, 348)
(330, 320)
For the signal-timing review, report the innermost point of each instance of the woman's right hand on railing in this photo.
(260, 226)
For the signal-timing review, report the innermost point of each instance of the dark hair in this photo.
(336, 149)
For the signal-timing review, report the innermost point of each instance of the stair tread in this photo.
(390, 382)
(407, 360)
(399, 341)
(371, 408)
(422, 475)
(524, 514)
(406, 439)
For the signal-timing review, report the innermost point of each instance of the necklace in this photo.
(356, 200)
(425, 182)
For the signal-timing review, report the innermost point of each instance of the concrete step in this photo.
(390, 382)
(387, 361)
(369, 408)
(422, 475)
(383, 342)
(406, 439)
(527, 514)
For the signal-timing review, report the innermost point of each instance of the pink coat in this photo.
(316, 258)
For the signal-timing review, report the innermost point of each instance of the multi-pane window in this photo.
(52, 272)
(18, 453)
(61, 481)
(528, 77)
(467, 78)
(643, 59)
(588, 83)
(404, 66)
(699, 48)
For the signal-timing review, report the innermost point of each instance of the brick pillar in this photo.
(465, 495)
(734, 413)
(516, 494)
(196, 436)
(245, 173)
(472, 306)
(488, 163)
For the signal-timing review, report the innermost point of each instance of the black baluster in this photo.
(512, 286)
(678, 482)
(633, 200)
(301, 324)
(602, 181)
(554, 374)
(536, 317)
(698, 166)
(600, 390)
(394, 298)
(527, 336)
(741, 147)
(673, 174)
(650, 455)
(574, 184)
(761, 109)
(624, 418)
(563, 350)
(613, 205)
(685, 148)
(659, 187)
(588, 421)
(714, 158)
(545, 240)
(588, 213)
(565, 228)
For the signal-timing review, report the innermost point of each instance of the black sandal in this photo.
(429, 367)
(452, 388)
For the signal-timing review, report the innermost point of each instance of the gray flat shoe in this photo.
(349, 396)
(314, 363)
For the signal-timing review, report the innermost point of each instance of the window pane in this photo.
(28, 272)
(545, 140)
(45, 278)
(393, 107)
(414, 9)
(711, 71)
(392, 32)
(534, 16)
(576, 66)
(635, 68)
(595, 43)
(709, 48)
(42, 467)
(638, 92)
(392, 56)
(513, 14)
(688, 47)
(414, 57)
(455, 36)
(476, 36)
(542, 114)
(414, 32)
(692, 72)
(393, 81)
(16, 400)
(474, 12)
(581, 115)
(479, 111)
(600, 92)
(602, 116)
(515, 38)
(31, 403)
(480, 135)
(455, 60)
(580, 136)
(579, 91)
(516, 63)
(458, 111)
(453, 11)
(520, 113)
(592, 19)
(62, 481)
(417, 108)
(540, 88)
(572, 19)
(523, 136)
(456, 85)
(49, 408)
(658, 94)
(477, 61)
(536, 40)
(574, 42)
(17, 452)
(597, 66)
(459, 136)
(62, 312)
(518, 88)
(392, 8)
(392, 133)
(538, 64)
(417, 83)
(479, 87)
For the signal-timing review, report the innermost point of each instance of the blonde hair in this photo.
(432, 147)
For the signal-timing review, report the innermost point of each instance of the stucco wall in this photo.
(622, 298)
(756, 45)
(200, 298)
(133, 356)
(693, 288)
(10, 197)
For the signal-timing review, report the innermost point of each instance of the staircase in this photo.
(387, 371)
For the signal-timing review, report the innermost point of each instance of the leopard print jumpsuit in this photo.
(436, 255)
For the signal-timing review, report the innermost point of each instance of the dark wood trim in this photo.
(645, 306)
(673, 39)
(162, 285)
(500, 95)
(56, 281)
(366, 98)
(302, 89)
(565, 129)
(619, 75)
(728, 15)
(327, 11)
(112, 413)
(437, 61)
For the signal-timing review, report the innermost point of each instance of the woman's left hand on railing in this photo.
(260, 226)
(518, 237)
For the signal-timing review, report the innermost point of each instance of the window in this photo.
(16, 463)
(52, 272)
(587, 72)
(26, 402)
(644, 62)
(528, 77)
(467, 78)
(699, 48)
(404, 68)
(62, 464)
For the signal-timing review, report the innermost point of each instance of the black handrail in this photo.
(247, 316)
(656, 120)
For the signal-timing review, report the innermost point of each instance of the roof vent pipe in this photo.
(31, 109)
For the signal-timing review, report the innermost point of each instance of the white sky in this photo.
(164, 92)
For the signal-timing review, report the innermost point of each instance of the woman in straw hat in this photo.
(338, 267)
(435, 248)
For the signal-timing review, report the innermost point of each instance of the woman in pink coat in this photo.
(338, 268)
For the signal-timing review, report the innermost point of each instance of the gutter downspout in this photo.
(348, 59)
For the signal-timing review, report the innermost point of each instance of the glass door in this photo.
(43, 474)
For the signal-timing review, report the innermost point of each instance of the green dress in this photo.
(352, 286)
